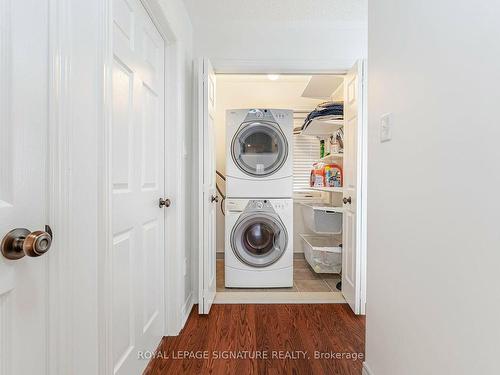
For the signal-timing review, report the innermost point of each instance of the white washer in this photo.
(259, 161)
(259, 243)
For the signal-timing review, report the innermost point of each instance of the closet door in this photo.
(24, 292)
(137, 263)
(351, 269)
(207, 194)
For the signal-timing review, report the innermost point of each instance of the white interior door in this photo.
(351, 258)
(208, 193)
(23, 179)
(137, 176)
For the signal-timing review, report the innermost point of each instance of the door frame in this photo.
(175, 153)
(59, 189)
(174, 178)
(309, 67)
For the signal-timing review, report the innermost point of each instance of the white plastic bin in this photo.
(323, 253)
(322, 219)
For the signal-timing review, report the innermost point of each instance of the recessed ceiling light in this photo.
(273, 77)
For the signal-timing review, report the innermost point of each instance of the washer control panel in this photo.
(264, 205)
(281, 204)
(235, 205)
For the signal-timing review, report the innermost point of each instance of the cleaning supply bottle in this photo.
(328, 175)
(322, 148)
(335, 176)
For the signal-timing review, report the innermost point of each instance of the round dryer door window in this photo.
(259, 149)
(259, 239)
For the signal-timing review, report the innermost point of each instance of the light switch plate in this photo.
(386, 127)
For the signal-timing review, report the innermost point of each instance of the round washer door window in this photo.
(259, 149)
(259, 240)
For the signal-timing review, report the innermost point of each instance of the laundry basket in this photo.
(322, 219)
(323, 253)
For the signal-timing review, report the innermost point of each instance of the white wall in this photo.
(319, 33)
(433, 205)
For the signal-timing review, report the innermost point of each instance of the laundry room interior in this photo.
(282, 155)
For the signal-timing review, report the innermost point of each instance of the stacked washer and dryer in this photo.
(259, 206)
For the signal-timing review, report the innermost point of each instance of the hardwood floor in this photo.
(289, 339)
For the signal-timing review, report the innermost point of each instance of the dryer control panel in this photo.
(259, 114)
(267, 114)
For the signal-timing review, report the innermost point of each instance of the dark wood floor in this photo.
(272, 331)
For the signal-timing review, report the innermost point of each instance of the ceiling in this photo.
(248, 91)
(282, 78)
(290, 86)
(329, 35)
(278, 11)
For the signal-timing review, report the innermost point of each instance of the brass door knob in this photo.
(20, 242)
(164, 202)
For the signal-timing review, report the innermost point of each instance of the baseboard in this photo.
(366, 370)
(222, 298)
(186, 310)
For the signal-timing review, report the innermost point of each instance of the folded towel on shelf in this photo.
(327, 110)
(338, 104)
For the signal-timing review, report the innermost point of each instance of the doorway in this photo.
(242, 92)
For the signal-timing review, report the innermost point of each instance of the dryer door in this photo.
(259, 148)
(259, 239)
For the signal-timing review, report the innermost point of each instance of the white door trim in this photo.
(59, 190)
(283, 66)
(174, 188)
(366, 370)
(174, 185)
(363, 211)
(247, 66)
(199, 191)
(104, 254)
(310, 66)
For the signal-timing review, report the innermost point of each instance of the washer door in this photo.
(259, 239)
(259, 148)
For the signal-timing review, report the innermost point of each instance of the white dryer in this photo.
(259, 243)
(259, 153)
